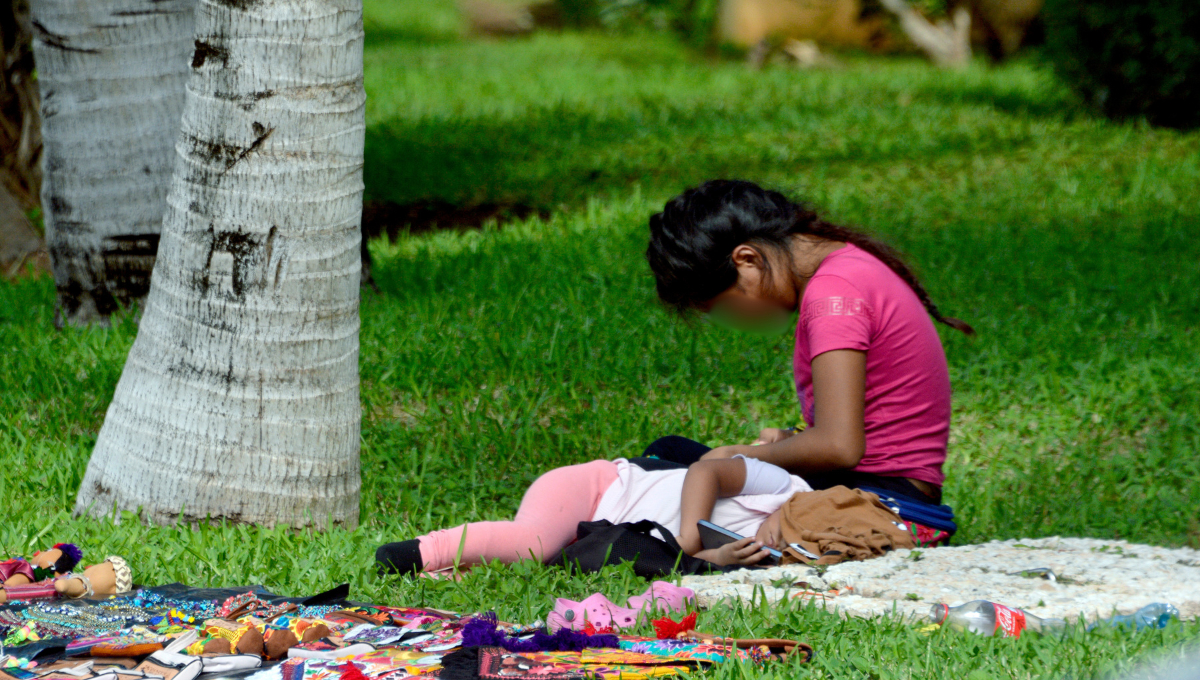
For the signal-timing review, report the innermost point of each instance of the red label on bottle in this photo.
(1011, 621)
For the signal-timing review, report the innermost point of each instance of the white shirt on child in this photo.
(639, 494)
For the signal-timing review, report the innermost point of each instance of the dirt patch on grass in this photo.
(33, 265)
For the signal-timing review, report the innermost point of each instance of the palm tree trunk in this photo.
(111, 75)
(239, 399)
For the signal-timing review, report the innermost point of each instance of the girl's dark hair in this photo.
(692, 241)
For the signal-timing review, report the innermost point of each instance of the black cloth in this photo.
(461, 664)
(336, 595)
(44, 651)
(601, 543)
(656, 464)
(402, 557)
(676, 449)
(683, 451)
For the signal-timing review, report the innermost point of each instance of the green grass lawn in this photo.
(488, 357)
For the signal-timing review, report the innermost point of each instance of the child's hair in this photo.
(692, 241)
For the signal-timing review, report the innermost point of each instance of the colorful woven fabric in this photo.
(389, 643)
(136, 641)
(390, 664)
(684, 649)
(496, 663)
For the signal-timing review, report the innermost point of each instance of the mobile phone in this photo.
(713, 536)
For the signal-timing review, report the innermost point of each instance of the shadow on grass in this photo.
(385, 218)
(557, 156)
(1025, 87)
(1057, 104)
(378, 35)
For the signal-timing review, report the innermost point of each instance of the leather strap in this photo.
(788, 647)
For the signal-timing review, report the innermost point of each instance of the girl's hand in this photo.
(744, 552)
(726, 452)
(770, 435)
(770, 533)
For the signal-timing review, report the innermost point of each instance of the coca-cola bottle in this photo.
(989, 618)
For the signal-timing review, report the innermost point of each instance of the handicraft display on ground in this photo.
(179, 633)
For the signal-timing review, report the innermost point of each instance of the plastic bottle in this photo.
(1156, 615)
(989, 618)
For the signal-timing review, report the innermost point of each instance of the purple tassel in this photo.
(481, 632)
(71, 554)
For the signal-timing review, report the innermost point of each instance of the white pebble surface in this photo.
(1094, 578)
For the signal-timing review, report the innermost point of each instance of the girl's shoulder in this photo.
(853, 271)
(855, 265)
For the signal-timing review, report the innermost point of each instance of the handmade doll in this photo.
(60, 559)
(50, 574)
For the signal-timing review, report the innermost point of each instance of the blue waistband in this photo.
(912, 510)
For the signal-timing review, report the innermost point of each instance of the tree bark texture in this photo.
(111, 75)
(239, 400)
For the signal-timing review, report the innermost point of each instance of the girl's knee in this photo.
(571, 478)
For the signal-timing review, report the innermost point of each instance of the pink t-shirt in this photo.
(854, 301)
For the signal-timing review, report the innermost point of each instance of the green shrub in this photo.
(580, 13)
(1130, 59)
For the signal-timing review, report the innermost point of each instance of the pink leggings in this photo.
(546, 522)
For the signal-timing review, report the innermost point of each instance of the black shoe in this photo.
(403, 557)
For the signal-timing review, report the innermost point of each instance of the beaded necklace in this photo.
(81, 616)
(36, 620)
(147, 599)
(318, 611)
(42, 619)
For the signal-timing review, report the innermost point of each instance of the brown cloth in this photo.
(840, 524)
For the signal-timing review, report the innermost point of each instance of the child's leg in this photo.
(546, 522)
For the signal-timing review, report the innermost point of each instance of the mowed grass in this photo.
(488, 357)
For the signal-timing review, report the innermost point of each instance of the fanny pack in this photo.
(939, 517)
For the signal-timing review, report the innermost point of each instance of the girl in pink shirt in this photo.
(869, 367)
(870, 374)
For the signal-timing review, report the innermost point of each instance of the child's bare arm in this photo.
(706, 481)
(745, 552)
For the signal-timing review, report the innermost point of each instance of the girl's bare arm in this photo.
(837, 440)
(706, 481)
